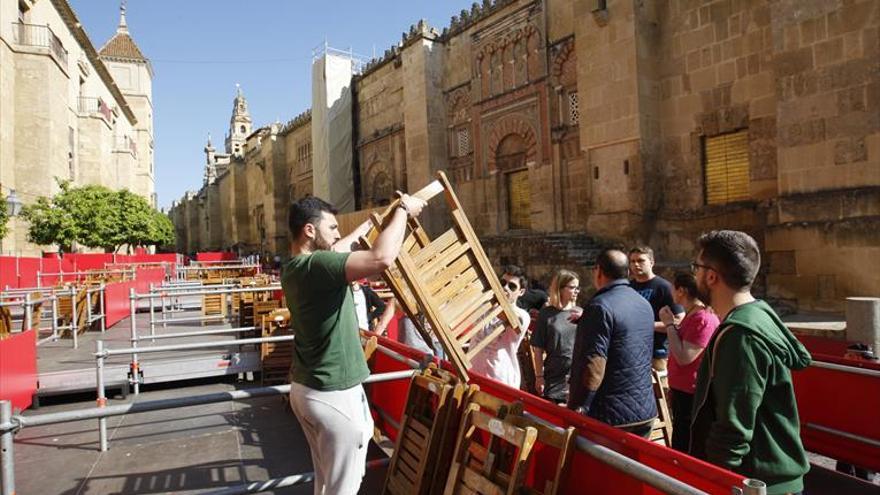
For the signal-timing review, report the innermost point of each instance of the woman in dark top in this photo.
(553, 339)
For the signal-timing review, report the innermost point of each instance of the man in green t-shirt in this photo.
(328, 363)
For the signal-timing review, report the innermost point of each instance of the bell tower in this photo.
(240, 125)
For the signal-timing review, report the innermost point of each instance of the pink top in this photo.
(696, 328)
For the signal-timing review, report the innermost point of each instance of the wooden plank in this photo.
(436, 266)
(460, 316)
(466, 336)
(494, 333)
(479, 483)
(460, 266)
(456, 284)
(438, 245)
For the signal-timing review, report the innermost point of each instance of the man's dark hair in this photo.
(519, 273)
(613, 263)
(733, 254)
(688, 282)
(647, 251)
(307, 210)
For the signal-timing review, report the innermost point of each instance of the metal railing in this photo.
(23, 298)
(93, 105)
(42, 36)
(125, 143)
(9, 424)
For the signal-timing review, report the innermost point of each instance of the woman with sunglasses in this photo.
(553, 339)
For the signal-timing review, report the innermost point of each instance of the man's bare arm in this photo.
(350, 242)
(363, 264)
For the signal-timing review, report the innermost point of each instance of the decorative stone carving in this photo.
(504, 127)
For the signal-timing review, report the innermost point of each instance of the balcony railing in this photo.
(125, 144)
(41, 36)
(92, 105)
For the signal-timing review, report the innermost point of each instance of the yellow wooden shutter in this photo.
(727, 167)
(519, 200)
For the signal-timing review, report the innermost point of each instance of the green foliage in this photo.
(4, 217)
(96, 217)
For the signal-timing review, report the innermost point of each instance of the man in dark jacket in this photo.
(611, 363)
(745, 416)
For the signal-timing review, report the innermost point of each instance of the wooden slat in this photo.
(456, 269)
(475, 328)
(457, 284)
(438, 245)
(479, 483)
(438, 264)
(463, 303)
(460, 315)
(495, 332)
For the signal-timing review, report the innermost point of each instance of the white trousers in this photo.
(338, 427)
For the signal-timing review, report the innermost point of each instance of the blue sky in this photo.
(200, 49)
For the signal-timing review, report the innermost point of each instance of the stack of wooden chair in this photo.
(275, 357)
(66, 307)
(455, 439)
(426, 440)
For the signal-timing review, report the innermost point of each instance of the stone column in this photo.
(863, 321)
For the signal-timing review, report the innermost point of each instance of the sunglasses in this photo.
(511, 286)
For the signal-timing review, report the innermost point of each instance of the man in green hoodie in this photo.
(745, 415)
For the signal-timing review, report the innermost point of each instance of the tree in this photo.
(4, 217)
(163, 231)
(96, 217)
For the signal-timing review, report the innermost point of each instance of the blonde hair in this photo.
(560, 279)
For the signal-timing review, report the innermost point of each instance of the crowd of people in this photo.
(727, 357)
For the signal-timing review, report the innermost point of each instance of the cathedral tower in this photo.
(240, 125)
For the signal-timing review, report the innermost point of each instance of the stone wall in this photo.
(607, 112)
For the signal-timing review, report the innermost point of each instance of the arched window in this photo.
(243, 129)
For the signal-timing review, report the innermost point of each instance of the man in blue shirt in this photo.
(658, 292)
(611, 363)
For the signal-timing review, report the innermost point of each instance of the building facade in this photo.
(69, 111)
(566, 125)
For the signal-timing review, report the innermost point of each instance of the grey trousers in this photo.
(338, 427)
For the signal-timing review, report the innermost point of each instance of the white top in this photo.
(498, 359)
(360, 308)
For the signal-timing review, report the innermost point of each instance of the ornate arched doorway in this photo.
(510, 160)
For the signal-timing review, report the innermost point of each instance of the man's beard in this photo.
(321, 244)
(704, 294)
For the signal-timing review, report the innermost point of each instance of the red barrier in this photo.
(844, 401)
(18, 369)
(116, 297)
(587, 474)
(145, 276)
(216, 256)
(8, 272)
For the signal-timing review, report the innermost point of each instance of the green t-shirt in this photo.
(327, 353)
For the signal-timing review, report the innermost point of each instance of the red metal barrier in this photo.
(216, 256)
(8, 272)
(844, 401)
(117, 301)
(18, 369)
(587, 474)
(146, 276)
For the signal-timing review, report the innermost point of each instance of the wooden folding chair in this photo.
(5, 322)
(275, 357)
(662, 429)
(490, 455)
(449, 280)
(425, 441)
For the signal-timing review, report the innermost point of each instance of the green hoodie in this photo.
(745, 417)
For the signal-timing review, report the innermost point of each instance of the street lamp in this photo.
(13, 205)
